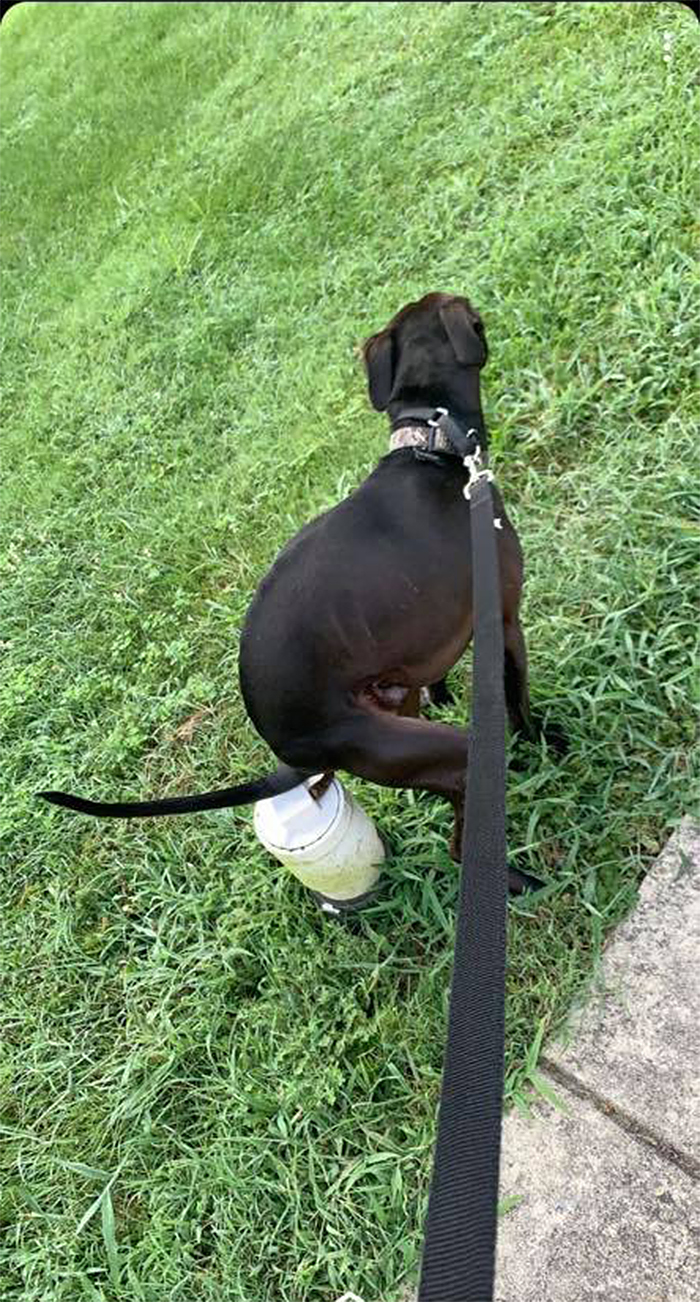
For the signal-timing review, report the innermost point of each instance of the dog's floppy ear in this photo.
(378, 353)
(465, 334)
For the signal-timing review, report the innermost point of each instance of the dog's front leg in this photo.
(520, 715)
(515, 680)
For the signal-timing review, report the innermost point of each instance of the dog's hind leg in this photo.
(396, 751)
(401, 752)
(410, 709)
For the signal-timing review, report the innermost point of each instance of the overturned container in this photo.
(326, 840)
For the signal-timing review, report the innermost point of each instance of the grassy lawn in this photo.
(209, 1094)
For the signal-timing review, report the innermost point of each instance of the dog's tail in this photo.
(273, 784)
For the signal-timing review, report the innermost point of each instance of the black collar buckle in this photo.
(464, 442)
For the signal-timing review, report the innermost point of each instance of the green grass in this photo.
(208, 1092)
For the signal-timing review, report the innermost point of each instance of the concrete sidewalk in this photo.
(609, 1182)
(609, 1188)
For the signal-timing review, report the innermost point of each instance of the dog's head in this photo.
(429, 353)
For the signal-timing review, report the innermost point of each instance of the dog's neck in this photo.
(414, 418)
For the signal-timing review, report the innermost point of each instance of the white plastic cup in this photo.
(328, 843)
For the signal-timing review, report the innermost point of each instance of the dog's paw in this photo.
(555, 738)
(520, 883)
(440, 694)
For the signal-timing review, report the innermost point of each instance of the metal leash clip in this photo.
(441, 411)
(472, 463)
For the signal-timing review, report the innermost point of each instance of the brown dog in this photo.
(371, 601)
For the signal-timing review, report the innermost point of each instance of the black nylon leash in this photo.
(460, 1239)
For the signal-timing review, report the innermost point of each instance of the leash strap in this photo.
(460, 1241)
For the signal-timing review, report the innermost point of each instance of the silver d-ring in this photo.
(443, 412)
